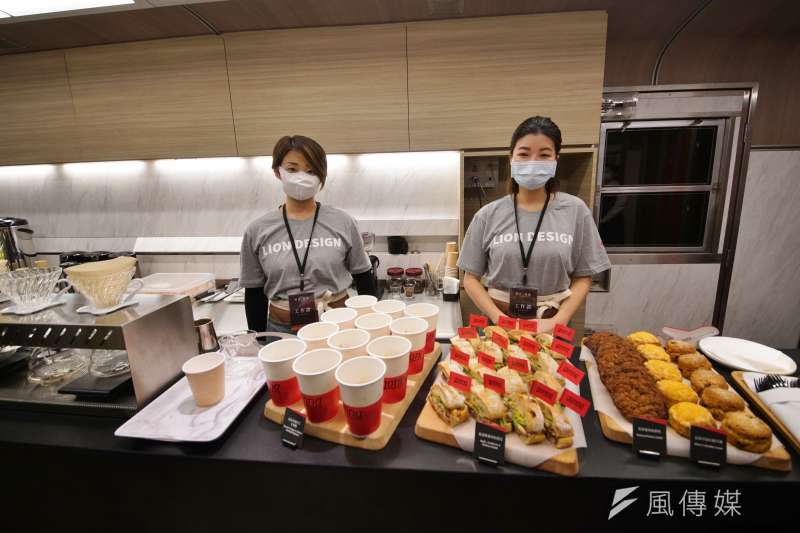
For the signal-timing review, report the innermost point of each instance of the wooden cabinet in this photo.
(152, 99)
(345, 87)
(472, 81)
(36, 118)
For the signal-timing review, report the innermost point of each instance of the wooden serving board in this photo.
(764, 410)
(777, 459)
(431, 427)
(335, 430)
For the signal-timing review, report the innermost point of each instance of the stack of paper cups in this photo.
(414, 329)
(450, 266)
(430, 314)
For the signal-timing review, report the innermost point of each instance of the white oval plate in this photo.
(747, 355)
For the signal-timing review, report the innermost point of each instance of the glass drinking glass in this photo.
(108, 363)
(240, 349)
(48, 366)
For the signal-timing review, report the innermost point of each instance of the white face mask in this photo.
(532, 174)
(299, 185)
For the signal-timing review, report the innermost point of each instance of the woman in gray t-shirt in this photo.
(534, 238)
(300, 246)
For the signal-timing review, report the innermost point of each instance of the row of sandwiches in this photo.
(531, 418)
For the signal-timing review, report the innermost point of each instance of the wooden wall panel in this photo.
(471, 81)
(739, 41)
(151, 100)
(345, 87)
(37, 123)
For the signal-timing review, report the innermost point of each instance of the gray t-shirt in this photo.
(336, 251)
(568, 245)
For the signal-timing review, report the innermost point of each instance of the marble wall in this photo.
(107, 205)
(650, 297)
(764, 299)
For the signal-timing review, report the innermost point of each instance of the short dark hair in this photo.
(311, 150)
(536, 125)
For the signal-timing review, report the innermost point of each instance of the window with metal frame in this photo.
(658, 185)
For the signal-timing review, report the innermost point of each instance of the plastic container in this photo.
(178, 283)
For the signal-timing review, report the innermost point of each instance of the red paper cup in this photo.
(277, 359)
(361, 383)
(393, 308)
(349, 342)
(362, 303)
(376, 324)
(429, 313)
(414, 329)
(315, 372)
(394, 352)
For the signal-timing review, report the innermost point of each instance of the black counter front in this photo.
(75, 467)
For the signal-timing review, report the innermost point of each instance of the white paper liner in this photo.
(784, 402)
(516, 451)
(676, 444)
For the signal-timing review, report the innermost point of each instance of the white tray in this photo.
(174, 417)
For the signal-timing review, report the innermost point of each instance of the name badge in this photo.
(302, 309)
(522, 302)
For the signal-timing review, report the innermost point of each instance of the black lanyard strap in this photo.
(300, 266)
(526, 258)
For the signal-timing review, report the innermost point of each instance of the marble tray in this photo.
(174, 417)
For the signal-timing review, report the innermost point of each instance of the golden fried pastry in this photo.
(663, 370)
(653, 351)
(721, 401)
(704, 377)
(747, 432)
(676, 348)
(684, 415)
(643, 337)
(689, 362)
(676, 392)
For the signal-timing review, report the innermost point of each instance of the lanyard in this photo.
(526, 258)
(300, 266)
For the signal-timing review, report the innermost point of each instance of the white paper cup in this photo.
(429, 313)
(393, 308)
(277, 359)
(394, 352)
(361, 384)
(316, 375)
(376, 324)
(343, 316)
(350, 342)
(206, 376)
(362, 303)
(316, 334)
(414, 329)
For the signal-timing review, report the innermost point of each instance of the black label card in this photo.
(708, 447)
(302, 309)
(649, 436)
(522, 302)
(293, 425)
(490, 445)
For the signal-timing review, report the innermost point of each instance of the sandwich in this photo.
(464, 346)
(474, 342)
(448, 403)
(526, 417)
(517, 334)
(490, 348)
(551, 380)
(543, 362)
(514, 382)
(545, 340)
(487, 407)
(556, 425)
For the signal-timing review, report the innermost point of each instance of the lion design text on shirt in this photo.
(285, 246)
(544, 236)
